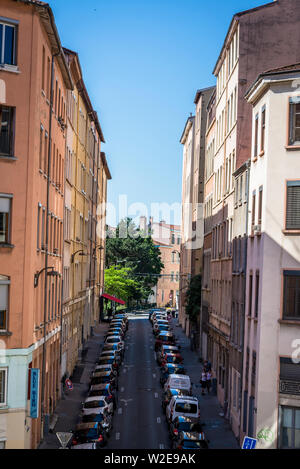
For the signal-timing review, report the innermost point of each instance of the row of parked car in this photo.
(180, 406)
(97, 411)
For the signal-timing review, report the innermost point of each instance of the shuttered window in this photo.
(291, 295)
(293, 205)
(294, 131)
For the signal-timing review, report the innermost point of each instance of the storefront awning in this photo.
(112, 298)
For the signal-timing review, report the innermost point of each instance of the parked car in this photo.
(115, 340)
(171, 369)
(164, 338)
(109, 359)
(166, 349)
(115, 355)
(184, 424)
(96, 405)
(89, 433)
(182, 405)
(169, 393)
(178, 382)
(104, 378)
(160, 329)
(172, 358)
(104, 389)
(87, 446)
(106, 369)
(104, 420)
(190, 441)
(115, 331)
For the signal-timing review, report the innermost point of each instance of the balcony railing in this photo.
(289, 387)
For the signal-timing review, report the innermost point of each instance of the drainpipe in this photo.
(46, 249)
(244, 295)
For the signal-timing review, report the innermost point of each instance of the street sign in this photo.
(249, 443)
(34, 392)
(69, 384)
(64, 438)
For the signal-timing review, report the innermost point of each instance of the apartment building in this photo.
(187, 140)
(34, 80)
(271, 375)
(85, 183)
(168, 239)
(256, 40)
(208, 220)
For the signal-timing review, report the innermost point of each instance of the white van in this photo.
(178, 382)
(187, 406)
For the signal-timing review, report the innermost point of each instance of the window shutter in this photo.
(293, 206)
(289, 370)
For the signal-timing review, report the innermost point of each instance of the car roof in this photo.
(91, 399)
(186, 398)
(84, 446)
(185, 377)
(102, 373)
(98, 387)
(184, 418)
(86, 425)
(194, 436)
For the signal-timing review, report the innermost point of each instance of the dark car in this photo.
(174, 358)
(104, 378)
(103, 419)
(161, 328)
(166, 349)
(171, 369)
(169, 393)
(109, 360)
(184, 424)
(190, 441)
(89, 433)
(164, 338)
(112, 355)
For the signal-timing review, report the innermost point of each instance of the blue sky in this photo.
(143, 62)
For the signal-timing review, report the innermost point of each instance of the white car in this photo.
(187, 406)
(178, 382)
(97, 405)
(112, 339)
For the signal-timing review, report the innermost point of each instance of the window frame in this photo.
(13, 24)
(12, 110)
(6, 282)
(292, 142)
(5, 370)
(290, 183)
(9, 221)
(286, 274)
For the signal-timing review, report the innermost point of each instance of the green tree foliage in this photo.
(119, 283)
(135, 250)
(193, 298)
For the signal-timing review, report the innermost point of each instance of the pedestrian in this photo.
(208, 381)
(203, 382)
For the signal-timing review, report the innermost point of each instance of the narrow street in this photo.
(139, 422)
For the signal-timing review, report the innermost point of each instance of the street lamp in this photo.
(53, 273)
(82, 253)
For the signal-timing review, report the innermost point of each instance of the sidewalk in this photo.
(216, 428)
(67, 411)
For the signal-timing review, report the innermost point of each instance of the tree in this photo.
(119, 283)
(136, 251)
(193, 298)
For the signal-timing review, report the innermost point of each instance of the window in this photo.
(4, 291)
(256, 136)
(43, 69)
(250, 295)
(253, 209)
(289, 418)
(172, 277)
(256, 294)
(5, 218)
(263, 129)
(294, 130)
(3, 386)
(7, 44)
(6, 130)
(38, 245)
(260, 196)
(291, 295)
(293, 205)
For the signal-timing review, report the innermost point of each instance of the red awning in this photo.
(112, 298)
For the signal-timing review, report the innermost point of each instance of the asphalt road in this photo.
(139, 422)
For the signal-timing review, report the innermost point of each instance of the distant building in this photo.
(168, 239)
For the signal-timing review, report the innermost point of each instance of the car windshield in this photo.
(94, 404)
(186, 408)
(99, 380)
(92, 418)
(189, 427)
(107, 361)
(114, 340)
